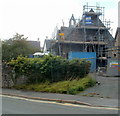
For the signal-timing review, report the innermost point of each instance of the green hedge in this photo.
(51, 68)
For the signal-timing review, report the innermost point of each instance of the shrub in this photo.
(78, 68)
(64, 87)
(49, 68)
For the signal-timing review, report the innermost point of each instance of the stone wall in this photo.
(7, 77)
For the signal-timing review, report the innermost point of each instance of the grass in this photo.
(66, 87)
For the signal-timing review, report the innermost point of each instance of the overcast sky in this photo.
(38, 18)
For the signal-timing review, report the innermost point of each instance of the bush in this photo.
(49, 68)
(64, 87)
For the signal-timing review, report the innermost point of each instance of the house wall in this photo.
(66, 48)
(117, 43)
(113, 67)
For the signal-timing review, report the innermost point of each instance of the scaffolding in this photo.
(93, 33)
(88, 12)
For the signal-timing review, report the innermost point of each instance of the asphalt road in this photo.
(108, 88)
(17, 105)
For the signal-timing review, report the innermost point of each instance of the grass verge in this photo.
(67, 87)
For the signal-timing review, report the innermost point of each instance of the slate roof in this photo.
(117, 37)
(35, 44)
(94, 19)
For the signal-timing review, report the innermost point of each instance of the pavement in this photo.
(103, 95)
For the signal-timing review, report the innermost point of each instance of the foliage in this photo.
(16, 46)
(50, 68)
(80, 67)
(66, 87)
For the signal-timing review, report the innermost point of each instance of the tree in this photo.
(16, 46)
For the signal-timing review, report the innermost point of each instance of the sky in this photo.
(40, 18)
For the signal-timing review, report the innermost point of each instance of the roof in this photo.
(117, 32)
(91, 12)
(90, 19)
(35, 44)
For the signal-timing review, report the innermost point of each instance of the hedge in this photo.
(49, 68)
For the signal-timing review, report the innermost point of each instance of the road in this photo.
(108, 88)
(18, 105)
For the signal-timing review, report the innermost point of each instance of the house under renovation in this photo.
(87, 38)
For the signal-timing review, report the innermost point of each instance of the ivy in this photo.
(49, 68)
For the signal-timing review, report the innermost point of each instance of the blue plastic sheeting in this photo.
(89, 56)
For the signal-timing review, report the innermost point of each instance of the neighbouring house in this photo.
(113, 65)
(114, 52)
(35, 44)
(113, 62)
